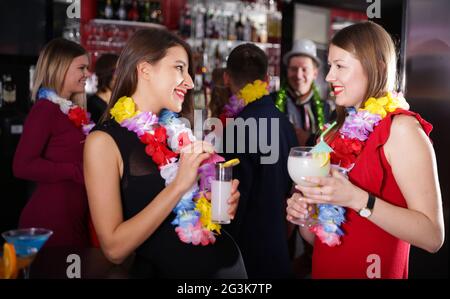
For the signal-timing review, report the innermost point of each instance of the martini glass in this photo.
(302, 162)
(27, 243)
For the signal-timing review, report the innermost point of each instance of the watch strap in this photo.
(371, 201)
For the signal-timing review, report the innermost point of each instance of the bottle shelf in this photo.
(231, 43)
(107, 22)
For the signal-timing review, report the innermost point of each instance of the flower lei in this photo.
(164, 138)
(77, 115)
(280, 103)
(347, 146)
(250, 93)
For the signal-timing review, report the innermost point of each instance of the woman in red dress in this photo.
(50, 150)
(392, 196)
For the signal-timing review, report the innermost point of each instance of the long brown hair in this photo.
(374, 48)
(53, 63)
(149, 45)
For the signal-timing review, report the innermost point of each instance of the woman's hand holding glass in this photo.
(191, 157)
(298, 210)
(335, 189)
(233, 201)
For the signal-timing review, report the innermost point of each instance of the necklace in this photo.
(347, 146)
(250, 93)
(77, 115)
(281, 99)
(164, 137)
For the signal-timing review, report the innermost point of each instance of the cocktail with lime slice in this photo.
(302, 162)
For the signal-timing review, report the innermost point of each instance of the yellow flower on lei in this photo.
(253, 91)
(204, 207)
(123, 109)
(384, 105)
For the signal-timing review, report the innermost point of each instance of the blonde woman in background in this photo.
(50, 150)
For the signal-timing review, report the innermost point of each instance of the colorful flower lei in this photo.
(77, 115)
(347, 146)
(164, 137)
(248, 94)
(280, 103)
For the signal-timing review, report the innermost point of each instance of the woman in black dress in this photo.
(130, 203)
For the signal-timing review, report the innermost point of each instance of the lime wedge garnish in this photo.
(323, 157)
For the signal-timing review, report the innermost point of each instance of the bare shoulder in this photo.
(99, 139)
(404, 124)
(101, 146)
(406, 130)
(406, 133)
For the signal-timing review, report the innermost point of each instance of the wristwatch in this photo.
(367, 211)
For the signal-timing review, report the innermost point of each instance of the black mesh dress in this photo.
(163, 255)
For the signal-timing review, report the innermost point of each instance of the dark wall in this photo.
(427, 57)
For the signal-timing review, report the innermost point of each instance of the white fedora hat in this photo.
(302, 47)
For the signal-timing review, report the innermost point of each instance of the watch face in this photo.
(365, 212)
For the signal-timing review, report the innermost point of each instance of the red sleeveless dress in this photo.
(365, 245)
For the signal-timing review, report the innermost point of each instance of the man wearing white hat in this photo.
(300, 98)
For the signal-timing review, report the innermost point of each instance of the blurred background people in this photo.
(104, 70)
(300, 98)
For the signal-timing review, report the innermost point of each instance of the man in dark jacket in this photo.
(262, 137)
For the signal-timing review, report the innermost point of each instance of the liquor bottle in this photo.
(101, 9)
(209, 23)
(159, 18)
(9, 89)
(186, 22)
(199, 28)
(154, 12)
(133, 13)
(273, 23)
(254, 32)
(232, 35)
(122, 12)
(109, 10)
(146, 15)
(240, 29)
(247, 35)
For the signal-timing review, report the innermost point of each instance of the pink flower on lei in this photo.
(360, 125)
(331, 239)
(195, 234)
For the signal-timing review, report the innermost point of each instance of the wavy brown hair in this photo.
(375, 49)
(148, 45)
